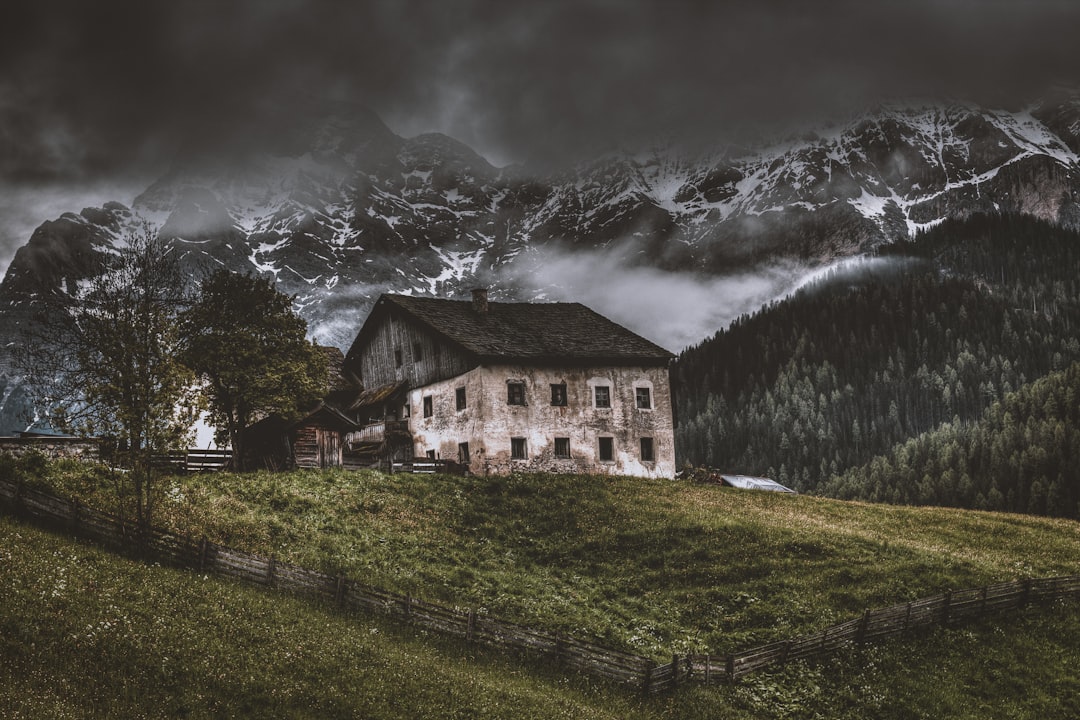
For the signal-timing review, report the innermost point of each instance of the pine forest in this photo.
(942, 371)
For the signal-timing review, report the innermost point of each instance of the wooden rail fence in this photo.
(590, 658)
(194, 460)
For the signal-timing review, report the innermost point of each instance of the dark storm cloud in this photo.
(94, 89)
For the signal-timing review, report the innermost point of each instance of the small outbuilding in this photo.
(745, 482)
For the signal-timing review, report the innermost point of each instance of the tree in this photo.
(249, 348)
(104, 361)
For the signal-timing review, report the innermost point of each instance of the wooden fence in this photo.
(590, 658)
(194, 460)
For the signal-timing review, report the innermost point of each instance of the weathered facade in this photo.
(502, 387)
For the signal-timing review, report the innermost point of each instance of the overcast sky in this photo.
(96, 96)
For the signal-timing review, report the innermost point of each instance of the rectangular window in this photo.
(644, 398)
(518, 450)
(603, 396)
(515, 393)
(429, 406)
(463, 453)
(417, 352)
(461, 398)
(558, 395)
(562, 448)
(397, 358)
(406, 410)
(647, 450)
(430, 454)
(607, 449)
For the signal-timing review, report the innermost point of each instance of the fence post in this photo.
(708, 669)
(945, 608)
(471, 628)
(270, 571)
(860, 638)
(674, 670)
(339, 593)
(74, 516)
(560, 647)
(982, 604)
(646, 685)
(202, 553)
(729, 667)
(907, 618)
(1026, 597)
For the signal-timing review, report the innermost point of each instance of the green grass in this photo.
(88, 634)
(650, 566)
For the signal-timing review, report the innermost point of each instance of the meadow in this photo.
(648, 566)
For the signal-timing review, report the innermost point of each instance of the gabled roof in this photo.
(531, 332)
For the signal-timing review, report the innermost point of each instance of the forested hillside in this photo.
(1021, 456)
(930, 332)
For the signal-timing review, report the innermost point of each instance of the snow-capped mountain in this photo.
(338, 209)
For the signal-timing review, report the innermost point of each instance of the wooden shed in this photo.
(317, 440)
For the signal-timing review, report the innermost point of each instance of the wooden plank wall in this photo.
(590, 658)
(438, 359)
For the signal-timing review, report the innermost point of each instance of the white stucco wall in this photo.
(488, 423)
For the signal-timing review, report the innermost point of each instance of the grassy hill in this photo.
(88, 634)
(648, 566)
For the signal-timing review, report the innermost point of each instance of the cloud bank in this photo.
(673, 309)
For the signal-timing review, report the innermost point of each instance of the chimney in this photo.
(480, 301)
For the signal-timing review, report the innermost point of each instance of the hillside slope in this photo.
(89, 634)
(930, 331)
(1020, 456)
(651, 567)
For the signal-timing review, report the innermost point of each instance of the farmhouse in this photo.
(500, 387)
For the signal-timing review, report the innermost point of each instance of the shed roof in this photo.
(375, 396)
(754, 483)
(533, 332)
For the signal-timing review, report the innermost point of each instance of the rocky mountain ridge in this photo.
(339, 209)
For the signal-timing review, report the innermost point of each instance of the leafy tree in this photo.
(104, 361)
(249, 348)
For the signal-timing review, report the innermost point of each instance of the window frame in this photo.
(428, 403)
(555, 448)
(601, 442)
(559, 396)
(607, 397)
(648, 443)
(519, 448)
(647, 397)
(464, 458)
(460, 398)
(515, 392)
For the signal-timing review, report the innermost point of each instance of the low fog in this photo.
(672, 309)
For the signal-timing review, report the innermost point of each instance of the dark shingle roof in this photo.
(537, 332)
